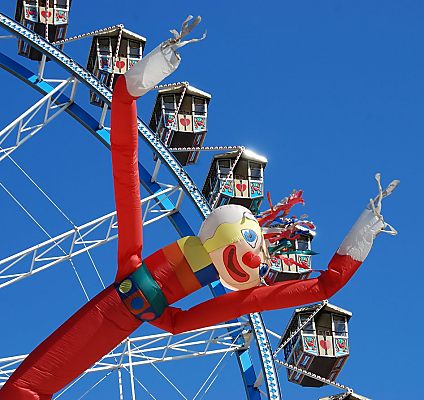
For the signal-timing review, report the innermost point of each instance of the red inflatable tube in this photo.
(261, 298)
(86, 337)
(104, 321)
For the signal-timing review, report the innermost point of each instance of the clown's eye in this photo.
(250, 236)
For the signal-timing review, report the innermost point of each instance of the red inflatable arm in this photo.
(261, 298)
(342, 266)
(124, 143)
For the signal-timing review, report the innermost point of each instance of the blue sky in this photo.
(330, 92)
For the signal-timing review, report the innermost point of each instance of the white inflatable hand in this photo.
(375, 204)
(159, 63)
(358, 242)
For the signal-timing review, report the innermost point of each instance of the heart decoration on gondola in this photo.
(325, 344)
(46, 14)
(185, 121)
(241, 187)
(120, 64)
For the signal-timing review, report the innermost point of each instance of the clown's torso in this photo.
(165, 277)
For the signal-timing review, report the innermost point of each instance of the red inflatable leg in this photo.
(88, 335)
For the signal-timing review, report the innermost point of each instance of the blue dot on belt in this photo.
(137, 303)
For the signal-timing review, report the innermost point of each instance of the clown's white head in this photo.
(233, 238)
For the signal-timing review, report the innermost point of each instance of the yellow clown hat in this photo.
(225, 225)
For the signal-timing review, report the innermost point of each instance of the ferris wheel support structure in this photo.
(158, 348)
(185, 182)
(80, 239)
(23, 127)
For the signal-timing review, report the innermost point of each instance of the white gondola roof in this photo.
(190, 90)
(247, 154)
(125, 33)
(353, 396)
(329, 307)
(253, 156)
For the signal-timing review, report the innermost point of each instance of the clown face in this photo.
(233, 238)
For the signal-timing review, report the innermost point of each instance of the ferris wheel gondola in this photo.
(48, 18)
(320, 347)
(180, 119)
(113, 52)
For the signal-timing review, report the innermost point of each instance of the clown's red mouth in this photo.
(233, 267)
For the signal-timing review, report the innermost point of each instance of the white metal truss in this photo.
(82, 238)
(154, 207)
(29, 123)
(158, 348)
(164, 347)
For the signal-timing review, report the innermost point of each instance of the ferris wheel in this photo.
(168, 187)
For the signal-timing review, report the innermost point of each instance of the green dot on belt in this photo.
(125, 286)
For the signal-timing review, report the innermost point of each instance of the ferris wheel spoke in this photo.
(72, 384)
(50, 200)
(169, 381)
(94, 386)
(78, 240)
(136, 380)
(212, 376)
(44, 110)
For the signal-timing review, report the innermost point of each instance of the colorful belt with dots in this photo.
(142, 295)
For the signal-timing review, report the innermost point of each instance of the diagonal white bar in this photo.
(77, 241)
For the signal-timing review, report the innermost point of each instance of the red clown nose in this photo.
(251, 260)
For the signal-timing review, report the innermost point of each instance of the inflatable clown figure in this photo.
(230, 247)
